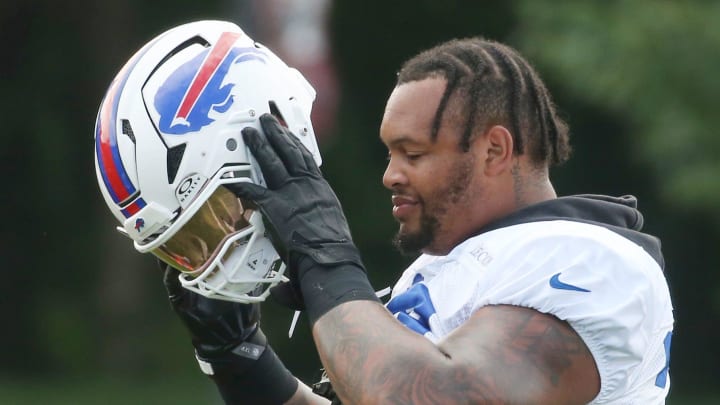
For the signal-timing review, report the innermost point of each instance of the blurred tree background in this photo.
(85, 318)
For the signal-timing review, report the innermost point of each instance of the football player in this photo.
(518, 295)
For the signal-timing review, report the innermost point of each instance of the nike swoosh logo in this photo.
(557, 284)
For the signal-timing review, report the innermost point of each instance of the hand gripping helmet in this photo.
(168, 138)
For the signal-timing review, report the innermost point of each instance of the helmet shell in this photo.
(169, 125)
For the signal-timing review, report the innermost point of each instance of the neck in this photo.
(531, 186)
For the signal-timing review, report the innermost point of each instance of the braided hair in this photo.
(493, 85)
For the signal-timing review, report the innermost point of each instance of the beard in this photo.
(411, 243)
(436, 207)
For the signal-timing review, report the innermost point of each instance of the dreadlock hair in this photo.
(493, 85)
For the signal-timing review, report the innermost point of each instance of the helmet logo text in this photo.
(188, 188)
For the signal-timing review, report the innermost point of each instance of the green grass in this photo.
(171, 390)
(694, 399)
(110, 391)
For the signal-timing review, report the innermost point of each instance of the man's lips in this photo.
(402, 205)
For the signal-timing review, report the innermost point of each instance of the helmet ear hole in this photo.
(174, 157)
(127, 130)
(276, 113)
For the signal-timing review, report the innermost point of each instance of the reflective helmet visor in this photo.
(202, 237)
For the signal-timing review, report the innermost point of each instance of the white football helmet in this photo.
(168, 137)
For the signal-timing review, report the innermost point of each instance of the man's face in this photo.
(433, 183)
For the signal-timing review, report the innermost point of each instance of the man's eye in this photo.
(413, 156)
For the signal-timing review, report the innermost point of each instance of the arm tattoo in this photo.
(502, 354)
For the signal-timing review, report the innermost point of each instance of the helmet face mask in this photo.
(168, 137)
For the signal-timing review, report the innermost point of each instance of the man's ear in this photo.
(499, 150)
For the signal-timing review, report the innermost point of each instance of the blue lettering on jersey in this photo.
(661, 379)
(413, 308)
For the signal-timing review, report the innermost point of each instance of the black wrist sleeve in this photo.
(252, 374)
(324, 287)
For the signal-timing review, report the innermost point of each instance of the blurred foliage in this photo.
(654, 64)
(636, 80)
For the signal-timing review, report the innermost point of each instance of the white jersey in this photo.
(609, 289)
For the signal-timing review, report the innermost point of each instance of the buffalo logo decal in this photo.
(185, 100)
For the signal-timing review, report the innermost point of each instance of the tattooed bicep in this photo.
(524, 355)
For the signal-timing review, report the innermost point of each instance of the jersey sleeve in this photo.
(610, 291)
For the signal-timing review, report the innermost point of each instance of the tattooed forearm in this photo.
(502, 354)
(364, 359)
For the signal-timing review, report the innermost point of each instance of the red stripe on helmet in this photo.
(206, 71)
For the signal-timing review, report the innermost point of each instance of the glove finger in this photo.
(248, 191)
(306, 155)
(260, 196)
(272, 167)
(288, 296)
(173, 287)
(282, 141)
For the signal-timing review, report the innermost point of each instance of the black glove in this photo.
(230, 346)
(215, 326)
(306, 223)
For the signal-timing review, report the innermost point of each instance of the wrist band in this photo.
(325, 288)
(251, 373)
